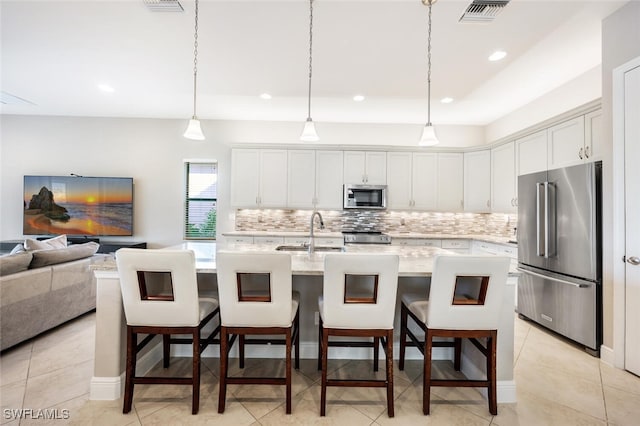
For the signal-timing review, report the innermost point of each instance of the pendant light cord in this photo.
(429, 68)
(195, 61)
(310, 57)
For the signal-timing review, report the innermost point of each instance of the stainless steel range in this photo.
(366, 237)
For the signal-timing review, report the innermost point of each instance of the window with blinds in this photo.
(201, 200)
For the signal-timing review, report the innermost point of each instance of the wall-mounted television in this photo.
(76, 205)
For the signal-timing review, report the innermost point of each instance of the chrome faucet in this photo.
(312, 244)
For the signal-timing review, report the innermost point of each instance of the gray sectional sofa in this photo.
(41, 289)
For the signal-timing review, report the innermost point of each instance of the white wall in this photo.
(620, 44)
(577, 92)
(150, 151)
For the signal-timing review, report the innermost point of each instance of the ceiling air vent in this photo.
(163, 5)
(482, 11)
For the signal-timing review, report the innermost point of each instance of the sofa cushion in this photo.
(52, 243)
(72, 252)
(12, 263)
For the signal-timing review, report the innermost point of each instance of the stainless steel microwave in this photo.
(365, 196)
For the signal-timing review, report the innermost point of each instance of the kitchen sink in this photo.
(306, 248)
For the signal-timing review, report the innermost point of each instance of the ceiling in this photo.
(56, 53)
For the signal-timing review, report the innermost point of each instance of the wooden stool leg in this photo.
(389, 358)
(297, 342)
(457, 353)
(491, 372)
(403, 335)
(288, 372)
(426, 396)
(323, 389)
(376, 353)
(320, 344)
(130, 370)
(195, 398)
(241, 350)
(166, 348)
(224, 359)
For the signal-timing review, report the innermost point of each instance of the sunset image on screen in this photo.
(78, 205)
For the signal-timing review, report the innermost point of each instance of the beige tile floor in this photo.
(557, 384)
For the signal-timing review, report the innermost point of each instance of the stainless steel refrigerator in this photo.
(560, 251)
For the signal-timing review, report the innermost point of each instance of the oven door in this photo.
(365, 197)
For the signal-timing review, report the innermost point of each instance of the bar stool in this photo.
(465, 301)
(358, 300)
(256, 299)
(160, 297)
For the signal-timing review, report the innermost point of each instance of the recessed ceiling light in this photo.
(497, 55)
(446, 100)
(358, 98)
(265, 96)
(106, 88)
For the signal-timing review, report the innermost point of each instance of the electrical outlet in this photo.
(316, 318)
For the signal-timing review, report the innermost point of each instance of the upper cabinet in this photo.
(301, 178)
(365, 167)
(258, 178)
(503, 179)
(566, 144)
(531, 153)
(329, 179)
(450, 182)
(477, 181)
(593, 136)
(410, 180)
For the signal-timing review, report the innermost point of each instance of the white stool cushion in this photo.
(417, 304)
(207, 305)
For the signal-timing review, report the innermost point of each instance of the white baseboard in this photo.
(505, 389)
(110, 388)
(607, 355)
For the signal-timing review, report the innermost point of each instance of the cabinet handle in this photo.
(580, 153)
(512, 202)
(515, 202)
(488, 203)
(257, 200)
(462, 203)
(586, 151)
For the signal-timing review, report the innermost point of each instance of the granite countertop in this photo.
(415, 261)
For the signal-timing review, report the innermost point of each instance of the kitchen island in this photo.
(416, 265)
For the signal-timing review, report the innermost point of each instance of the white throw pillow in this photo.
(52, 243)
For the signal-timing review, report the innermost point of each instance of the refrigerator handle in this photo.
(546, 220)
(550, 220)
(540, 234)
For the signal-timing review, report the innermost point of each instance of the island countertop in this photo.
(414, 260)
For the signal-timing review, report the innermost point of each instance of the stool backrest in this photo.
(378, 274)
(239, 308)
(467, 292)
(159, 287)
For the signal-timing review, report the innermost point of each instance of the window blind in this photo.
(201, 200)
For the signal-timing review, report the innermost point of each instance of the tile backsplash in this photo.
(496, 224)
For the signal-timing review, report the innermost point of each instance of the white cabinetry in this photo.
(457, 246)
(417, 242)
(450, 182)
(271, 239)
(531, 153)
(411, 178)
(329, 180)
(301, 179)
(258, 178)
(503, 179)
(477, 181)
(566, 144)
(593, 136)
(365, 167)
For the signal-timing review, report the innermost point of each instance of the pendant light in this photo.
(428, 133)
(193, 129)
(309, 131)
